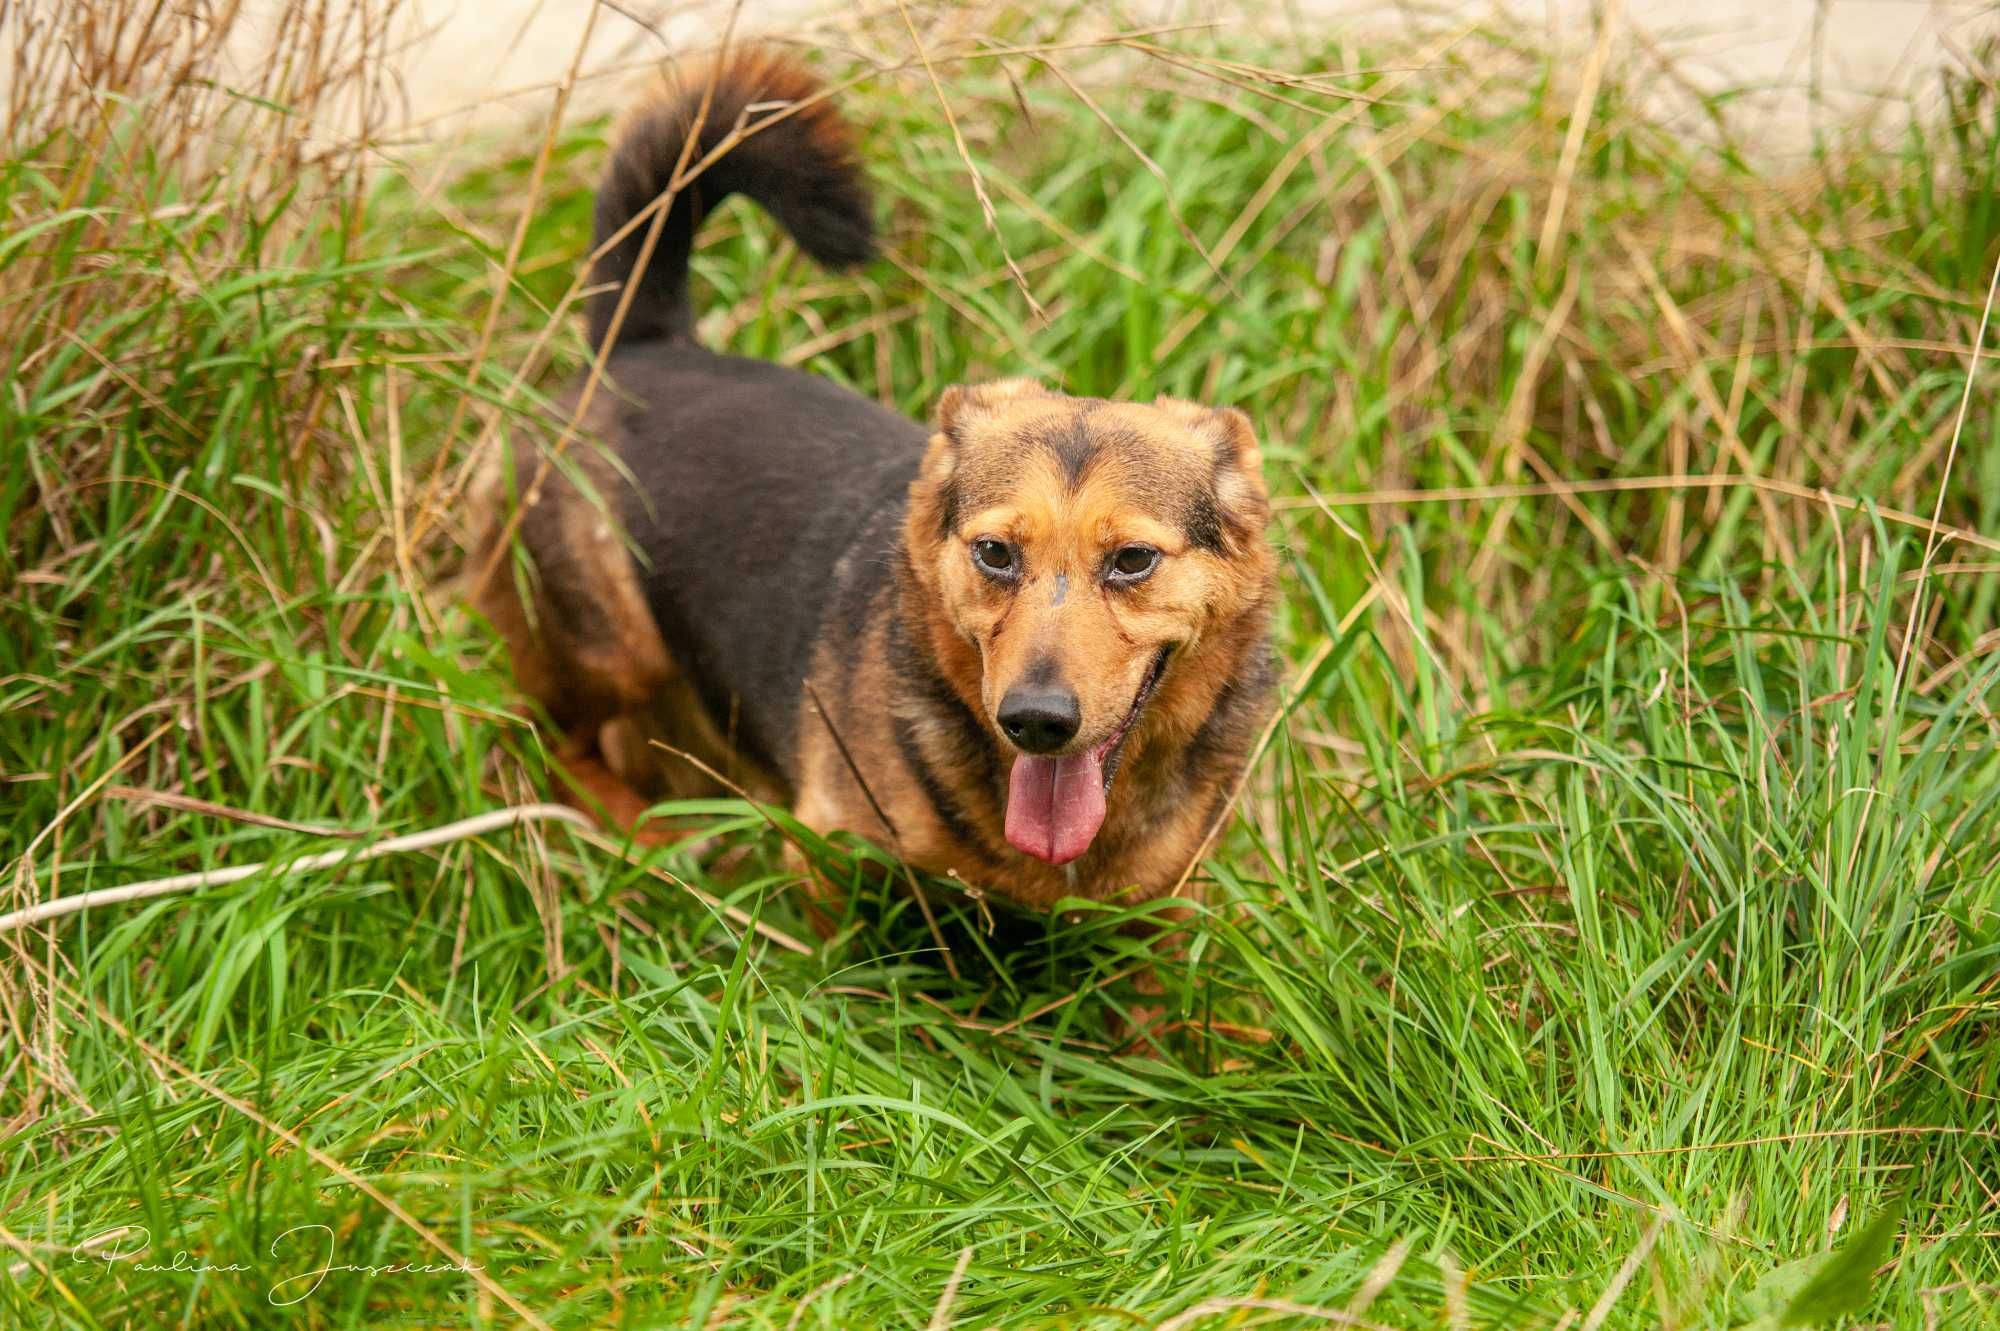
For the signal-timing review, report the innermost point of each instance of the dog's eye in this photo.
(995, 558)
(1130, 563)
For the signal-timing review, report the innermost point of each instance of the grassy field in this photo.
(1612, 922)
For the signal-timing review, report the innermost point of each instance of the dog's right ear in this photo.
(934, 495)
(962, 402)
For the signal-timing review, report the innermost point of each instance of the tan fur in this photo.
(583, 631)
(582, 642)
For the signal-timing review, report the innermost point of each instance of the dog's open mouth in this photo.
(1056, 805)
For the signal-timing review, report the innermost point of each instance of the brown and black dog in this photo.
(1039, 631)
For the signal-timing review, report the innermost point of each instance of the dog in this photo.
(1028, 646)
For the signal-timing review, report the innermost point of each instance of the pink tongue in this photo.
(1055, 805)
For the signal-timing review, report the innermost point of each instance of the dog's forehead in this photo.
(1052, 448)
(1081, 427)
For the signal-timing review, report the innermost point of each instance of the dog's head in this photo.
(1086, 549)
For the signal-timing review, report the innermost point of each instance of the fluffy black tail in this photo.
(795, 159)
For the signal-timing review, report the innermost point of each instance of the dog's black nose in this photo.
(1040, 720)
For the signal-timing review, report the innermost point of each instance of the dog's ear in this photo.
(961, 402)
(933, 498)
(1240, 497)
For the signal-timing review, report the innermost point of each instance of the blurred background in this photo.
(1791, 59)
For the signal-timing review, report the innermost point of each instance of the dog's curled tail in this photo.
(761, 127)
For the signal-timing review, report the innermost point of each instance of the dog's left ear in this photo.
(1240, 497)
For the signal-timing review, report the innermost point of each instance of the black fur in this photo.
(751, 482)
(771, 498)
(795, 160)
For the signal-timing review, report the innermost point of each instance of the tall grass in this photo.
(1613, 918)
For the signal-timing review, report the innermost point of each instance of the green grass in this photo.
(1614, 917)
